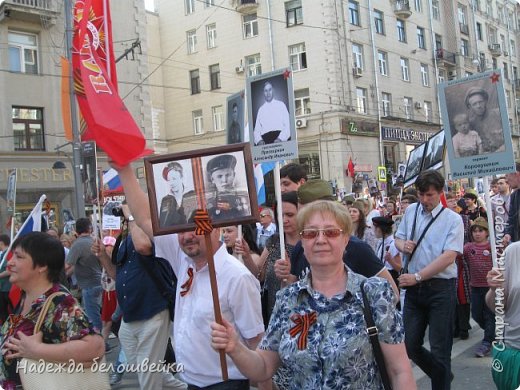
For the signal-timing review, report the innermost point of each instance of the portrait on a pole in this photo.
(272, 130)
(414, 165)
(219, 180)
(477, 132)
(235, 118)
(434, 151)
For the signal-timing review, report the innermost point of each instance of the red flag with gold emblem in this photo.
(108, 121)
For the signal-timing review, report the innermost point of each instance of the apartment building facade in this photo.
(365, 73)
(32, 39)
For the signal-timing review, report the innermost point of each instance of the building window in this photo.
(195, 81)
(489, 8)
(442, 76)
(421, 41)
(198, 125)
(401, 30)
(189, 6)
(386, 103)
(428, 111)
(191, 41)
(479, 32)
(438, 42)
(435, 10)
(293, 13)
(512, 48)
(425, 77)
(382, 60)
(418, 5)
(250, 25)
(214, 76)
(28, 128)
(298, 57)
(353, 12)
(357, 52)
(405, 69)
(218, 118)
(23, 52)
(379, 22)
(302, 102)
(461, 13)
(407, 105)
(506, 71)
(211, 35)
(253, 64)
(361, 95)
(464, 47)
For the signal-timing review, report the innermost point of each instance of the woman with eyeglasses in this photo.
(317, 327)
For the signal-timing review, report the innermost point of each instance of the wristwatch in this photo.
(131, 218)
(418, 277)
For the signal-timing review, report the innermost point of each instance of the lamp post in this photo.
(76, 140)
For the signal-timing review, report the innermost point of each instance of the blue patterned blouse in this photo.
(338, 353)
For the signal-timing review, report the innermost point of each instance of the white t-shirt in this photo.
(239, 297)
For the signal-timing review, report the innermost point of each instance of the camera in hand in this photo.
(117, 212)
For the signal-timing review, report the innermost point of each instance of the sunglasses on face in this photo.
(309, 234)
(263, 215)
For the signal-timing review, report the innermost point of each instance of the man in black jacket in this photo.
(512, 229)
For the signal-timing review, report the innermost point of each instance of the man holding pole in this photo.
(238, 293)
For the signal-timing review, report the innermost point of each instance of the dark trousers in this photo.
(4, 306)
(233, 384)
(431, 304)
(481, 313)
(462, 313)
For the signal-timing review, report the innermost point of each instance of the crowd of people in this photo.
(294, 317)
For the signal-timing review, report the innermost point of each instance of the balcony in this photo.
(246, 6)
(445, 57)
(495, 49)
(402, 9)
(45, 12)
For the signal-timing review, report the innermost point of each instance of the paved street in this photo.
(470, 372)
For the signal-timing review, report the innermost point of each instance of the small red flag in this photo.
(444, 201)
(350, 168)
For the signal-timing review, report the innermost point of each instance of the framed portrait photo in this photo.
(219, 180)
(414, 165)
(434, 151)
(235, 118)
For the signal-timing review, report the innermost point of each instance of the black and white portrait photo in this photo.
(414, 165)
(434, 151)
(175, 195)
(219, 180)
(272, 128)
(235, 118)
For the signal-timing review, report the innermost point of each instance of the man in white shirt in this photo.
(239, 296)
(265, 228)
(272, 119)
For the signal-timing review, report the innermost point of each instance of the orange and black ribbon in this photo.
(202, 222)
(303, 324)
(187, 284)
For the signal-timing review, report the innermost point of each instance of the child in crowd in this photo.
(477, 254)
(466, 142)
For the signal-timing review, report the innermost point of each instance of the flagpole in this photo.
(76, 140)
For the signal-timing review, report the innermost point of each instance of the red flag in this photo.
(350, 168)
(444, 201)
(108, 121)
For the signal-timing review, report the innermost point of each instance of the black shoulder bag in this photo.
(372, 335)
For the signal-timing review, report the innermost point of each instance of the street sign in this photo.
(381, 174)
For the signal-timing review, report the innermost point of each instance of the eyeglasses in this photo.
(263, 215)
(310, 234)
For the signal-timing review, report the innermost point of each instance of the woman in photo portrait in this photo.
(172, 210)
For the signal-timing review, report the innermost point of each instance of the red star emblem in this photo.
(286, 74)
(495, 77)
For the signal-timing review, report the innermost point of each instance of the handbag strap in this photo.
(44, 310)
(405, 268)
(372, 335)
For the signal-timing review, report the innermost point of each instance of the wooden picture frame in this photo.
(219, 180)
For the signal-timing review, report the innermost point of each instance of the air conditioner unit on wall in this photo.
(418, 105)
(357, 72)
(301, 123)
(239, 69)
